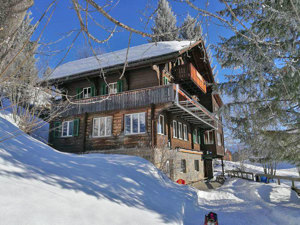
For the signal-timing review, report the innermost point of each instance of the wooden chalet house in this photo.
(161, 106)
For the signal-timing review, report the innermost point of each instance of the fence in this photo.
(258, 176)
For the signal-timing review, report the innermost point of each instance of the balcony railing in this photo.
(124, 100)
(188, 72)
(181, 103)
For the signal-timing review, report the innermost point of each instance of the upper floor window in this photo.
(161, 125)
(113, 88)
(102, 126)
(175, 129)
(165, 81)
(179, 130)
(135, 123)
(219, 139)
(197, 136)
(185, 132)
(209, 137)
(87, 92)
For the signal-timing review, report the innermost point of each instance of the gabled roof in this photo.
(135, 54)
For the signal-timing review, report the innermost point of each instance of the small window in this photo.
(113, 88)
(209, 137)
(175, 129)
(102, 126)
(185, 132)
(87, 92)
(219, 139)
(180, 130)
(135, 123)
(183, 166)
(196, 165)
(165, 81)
(67, 129)
(195, 136)
(161, 125)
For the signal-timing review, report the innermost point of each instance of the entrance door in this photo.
(208, 170)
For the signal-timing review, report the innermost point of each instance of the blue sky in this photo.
(129, 12)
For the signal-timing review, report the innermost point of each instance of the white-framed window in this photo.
(102, 126)
(161, 125)
(87, 92)
(185, 132)
(219, 139)
(113, 88)
(209, 137)
(179, 130)
(175, 129)
(135, 123)
(67, 128)
(183, 166)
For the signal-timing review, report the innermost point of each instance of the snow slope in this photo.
(40, 186)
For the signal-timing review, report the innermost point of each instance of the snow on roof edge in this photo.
(116, 58)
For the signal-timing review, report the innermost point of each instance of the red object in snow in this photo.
(180, 181)
(211, 219)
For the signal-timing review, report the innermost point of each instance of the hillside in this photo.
(42, 186)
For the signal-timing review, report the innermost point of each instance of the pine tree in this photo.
(265, 87)
(190, 29)
(165, 27)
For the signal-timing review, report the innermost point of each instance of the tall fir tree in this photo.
(164, 27)
(190, 29)
(265, 87)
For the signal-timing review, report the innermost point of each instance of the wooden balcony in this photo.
(189, 78)
(124, 100)
(179, 103)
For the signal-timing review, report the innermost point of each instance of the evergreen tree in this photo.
(190, 29)
(265, 87)
(165, 23)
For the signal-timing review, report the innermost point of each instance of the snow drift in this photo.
(39, 185)
(42, 186)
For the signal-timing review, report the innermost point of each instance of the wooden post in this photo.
(223, 167)
(293, 184)
(278, 181)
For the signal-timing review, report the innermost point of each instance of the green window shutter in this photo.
(194, 136)
(120, 86)
(76, 127)
(103, 89)
(78, 93)
(57, 129)
(93, 90)
(199, 136)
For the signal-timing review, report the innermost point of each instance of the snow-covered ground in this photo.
(39, 185)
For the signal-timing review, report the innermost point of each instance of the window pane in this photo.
(102, 126)
(65, 128)
(142, 123)
(174, 129)
(108, 126)
(135, 123)
(127, 124)
(71, 125)
(95, 127)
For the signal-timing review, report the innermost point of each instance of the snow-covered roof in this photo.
(136, 53)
